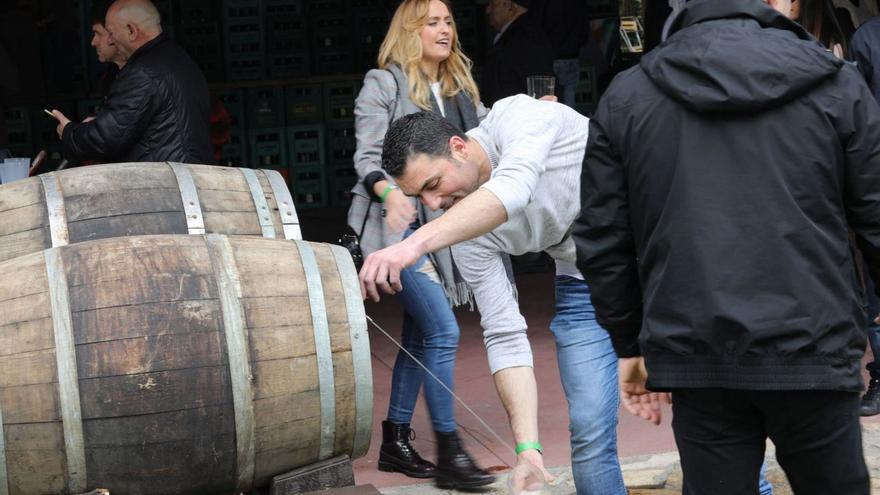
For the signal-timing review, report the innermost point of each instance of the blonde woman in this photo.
(421, 67)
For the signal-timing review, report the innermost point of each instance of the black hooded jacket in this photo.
(158, 109)
(720, 181)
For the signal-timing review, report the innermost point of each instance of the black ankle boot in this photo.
(398, 454)
(871, 400)
(455, 468)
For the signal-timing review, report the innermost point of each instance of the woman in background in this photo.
(421, 68)
(820, 18)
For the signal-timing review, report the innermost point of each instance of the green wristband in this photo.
(521, 447)
(387, 191)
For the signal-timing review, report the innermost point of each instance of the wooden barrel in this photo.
(179, 364)
(115, 200)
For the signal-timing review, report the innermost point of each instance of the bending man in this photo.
(510, 186)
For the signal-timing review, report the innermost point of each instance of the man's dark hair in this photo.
(418, 133)
(99, 11)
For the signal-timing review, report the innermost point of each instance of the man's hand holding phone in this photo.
(62, 121)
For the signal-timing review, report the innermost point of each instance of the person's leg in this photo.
(406, 376)
(720, 439)
(567, 74)
(870, 405)
(397, 452)
(818, 440)
(588, 368)
(438, 332)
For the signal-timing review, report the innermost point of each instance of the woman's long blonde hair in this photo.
(403, 46)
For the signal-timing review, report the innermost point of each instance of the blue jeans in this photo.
(567, 71)
(588, 368)
(764, 486)
(430, 333)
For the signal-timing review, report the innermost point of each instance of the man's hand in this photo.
(399, 211)
(634, 396)
(62, 122)
(536, 459)
(381, 269)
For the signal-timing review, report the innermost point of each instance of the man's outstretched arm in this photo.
(478, 213)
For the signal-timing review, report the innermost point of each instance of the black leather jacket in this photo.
(157, 110)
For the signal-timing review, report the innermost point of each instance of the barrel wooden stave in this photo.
(115, 200)
(153, 366)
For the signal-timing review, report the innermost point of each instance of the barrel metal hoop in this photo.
(4, 483)
(360, 351)
(55, 209)
(195, 221)
(229, 289)
(323, 351)
(286, 208)
(68, 381)
(259, 202)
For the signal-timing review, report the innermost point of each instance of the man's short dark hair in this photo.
(418, 133)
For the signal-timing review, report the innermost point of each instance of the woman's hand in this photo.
(399, 211)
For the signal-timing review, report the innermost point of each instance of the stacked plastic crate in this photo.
(371, 19)
(267, 135)
(199, 32)
(306, 145)
(287, 39)
(339, 100)
(18, 126)
(331, 33)
(586, 94)
(235, 152)
(244, 40)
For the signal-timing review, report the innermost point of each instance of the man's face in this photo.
(118, 33)
(439, 182)
(103, 44)
(499, 13)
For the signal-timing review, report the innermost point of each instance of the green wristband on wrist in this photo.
(521, 447)
(387, 191)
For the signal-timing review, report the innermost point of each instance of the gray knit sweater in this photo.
(536, 149)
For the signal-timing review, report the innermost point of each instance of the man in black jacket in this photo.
(721, 178)
(158, 108)
(520, 49)
(863, 50)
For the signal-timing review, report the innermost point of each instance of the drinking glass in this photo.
(538, 86)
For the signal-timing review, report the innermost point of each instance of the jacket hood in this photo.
(737, 56)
